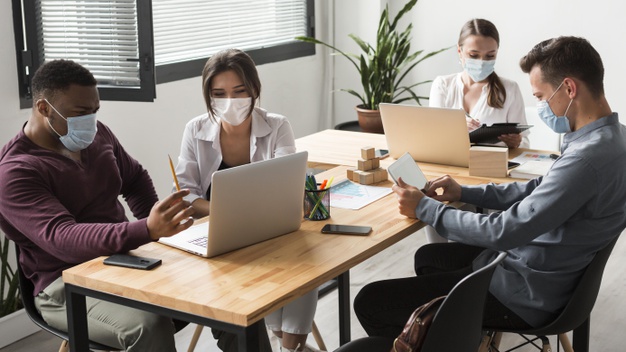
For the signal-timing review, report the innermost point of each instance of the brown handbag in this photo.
(412, 337)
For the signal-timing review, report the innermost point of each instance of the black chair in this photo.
(26, 291)
(28, 300)
(457, 326)
(575, 315)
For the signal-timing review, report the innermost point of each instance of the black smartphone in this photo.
(346, 229)
(381, 153)
(131, 261)
(512, 164)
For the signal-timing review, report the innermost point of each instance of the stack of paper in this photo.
(531, 169)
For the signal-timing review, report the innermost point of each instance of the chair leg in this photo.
(194, 338)
(545, 347)
(496, 340)
(64, 347)
(581, 337)
(564, 340)
(318, 337)
(485, 342)
(490, 342)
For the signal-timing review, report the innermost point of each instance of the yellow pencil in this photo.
(173, 173)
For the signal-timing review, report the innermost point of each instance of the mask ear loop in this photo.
(48, 117)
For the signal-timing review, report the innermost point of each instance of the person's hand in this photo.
(451, 189)
(170, 216)
(472, 123)
(408, 198)
(512, 140)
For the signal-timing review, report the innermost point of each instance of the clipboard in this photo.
(489, 134)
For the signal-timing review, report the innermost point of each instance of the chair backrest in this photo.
(584, 297)
(457, 326)
(28, 300)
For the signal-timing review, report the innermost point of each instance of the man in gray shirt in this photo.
(551, 227)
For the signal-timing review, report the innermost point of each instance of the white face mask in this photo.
(479, 70)
(232, 110)
(81, 130)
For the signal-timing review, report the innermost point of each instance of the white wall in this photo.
(521, 24)
(296, 89)
(149, 131)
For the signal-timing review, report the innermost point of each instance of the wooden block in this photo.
(380, 175)
(364, 165)
(356, 175)
(350, 174)
(488, 161)
(365, 177)
(375, 163)
(367, 153)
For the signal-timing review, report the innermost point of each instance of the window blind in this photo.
(100, 35)
(187, 30)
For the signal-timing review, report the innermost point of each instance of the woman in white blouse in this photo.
(234, 132)
(485, 97)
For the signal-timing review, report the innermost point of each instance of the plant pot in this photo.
(369, 120)
(16, 326)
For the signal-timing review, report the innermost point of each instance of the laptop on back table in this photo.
(249, 204)
(431, 135)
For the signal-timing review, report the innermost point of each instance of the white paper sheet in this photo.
(351, 195)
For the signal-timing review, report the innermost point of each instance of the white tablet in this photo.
(406, 168)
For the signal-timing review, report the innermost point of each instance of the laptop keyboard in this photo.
(201, 241)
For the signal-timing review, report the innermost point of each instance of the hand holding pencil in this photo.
(170, 215)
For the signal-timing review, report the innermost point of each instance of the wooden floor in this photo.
(607, 324)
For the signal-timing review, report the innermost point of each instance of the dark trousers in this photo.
(227, 341)
(384, 307)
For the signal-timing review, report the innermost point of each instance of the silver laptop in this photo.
(249, 204)
(432, 135)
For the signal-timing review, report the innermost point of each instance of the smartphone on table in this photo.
(131, 261)
(346, 229)
(381, 153)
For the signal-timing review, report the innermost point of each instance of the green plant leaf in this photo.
(409, 5)
(384, 66)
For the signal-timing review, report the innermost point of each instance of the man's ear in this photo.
(571, 87)
(42, 108)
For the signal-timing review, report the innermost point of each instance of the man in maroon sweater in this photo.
(60, 178)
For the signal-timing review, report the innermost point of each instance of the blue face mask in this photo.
(478, 70)
(559, 124)
(81, 130)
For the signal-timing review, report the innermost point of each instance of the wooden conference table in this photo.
(234, 291)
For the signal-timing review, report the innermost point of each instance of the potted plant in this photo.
(382, 68)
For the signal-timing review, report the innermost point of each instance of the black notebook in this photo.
(489, 134)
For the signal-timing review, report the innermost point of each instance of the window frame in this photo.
(150, 75)
(30, 60)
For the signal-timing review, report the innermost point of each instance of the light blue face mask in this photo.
(478, 70)
(81, 130)
(559, 124)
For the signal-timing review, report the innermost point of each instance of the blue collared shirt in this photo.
(551, 226)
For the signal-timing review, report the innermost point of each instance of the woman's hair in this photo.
(567, 57)
(231, 60)
(484, 28)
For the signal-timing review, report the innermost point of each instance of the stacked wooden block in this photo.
(368, 170)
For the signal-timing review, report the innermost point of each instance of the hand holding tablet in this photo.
(406, 168)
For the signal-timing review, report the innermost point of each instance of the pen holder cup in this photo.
(317, 204)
